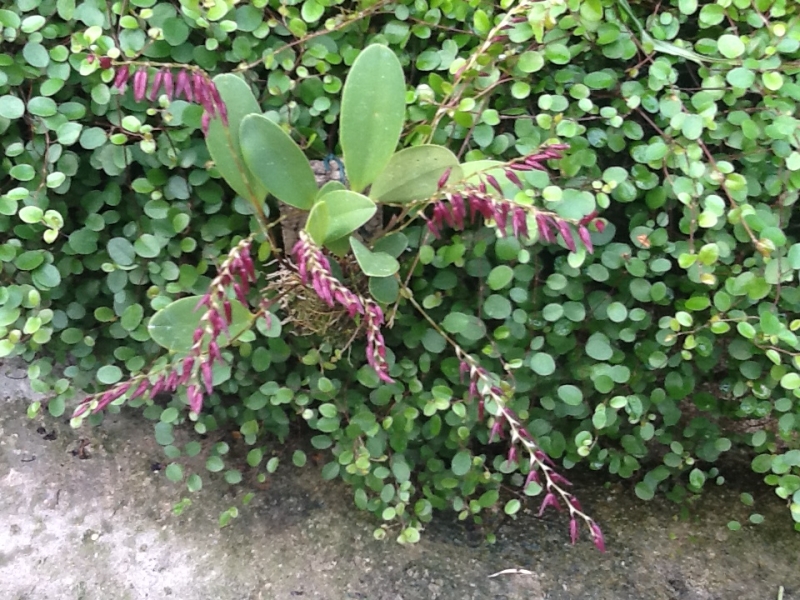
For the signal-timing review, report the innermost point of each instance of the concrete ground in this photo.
(91, 520)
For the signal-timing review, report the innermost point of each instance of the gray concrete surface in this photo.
(103, 528)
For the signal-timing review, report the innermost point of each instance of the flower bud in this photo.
(140, 84)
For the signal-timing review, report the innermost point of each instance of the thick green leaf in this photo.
(223, 142)
(347, 211)
(413, 174)
(373, 112)
(373, 264)
(277, 162)
(173, 326)
(330, 186)
(318, 222)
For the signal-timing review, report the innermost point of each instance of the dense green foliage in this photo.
(672, 344)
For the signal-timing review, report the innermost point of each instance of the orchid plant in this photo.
(258, 158)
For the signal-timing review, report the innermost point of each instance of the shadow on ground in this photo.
(102, 527)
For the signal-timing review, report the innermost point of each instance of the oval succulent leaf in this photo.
(173, 326)
(277, 162)
(347, 211)
(373, 264)
(223, 142)
(318, 222)
(330, 186)
(373, 111)
(414, 173)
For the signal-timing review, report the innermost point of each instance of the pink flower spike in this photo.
(597, 536)
(559, 479)
(519, 223)
(493, 182)
(205, 121)
(141, 388)
(169, 84)
(183, 86)
(186, 369)
(544, 228)
(158, 387)
(512, 454)
(583, 233)
(459, 210)
(195, 396)
(443, 179)
(573, 530)
(201, 93)
(513, 178)
(205, 368)
(172, 381)
(549, 500)
(533, 476)
(140, 84)
(566, 234)
(204, 301)
(543, 458)
(213, 351)
(496, 430)
(588, 218)
(213, 92)
(158, 78)
(501, 218)
(463, 369)
(121, 80)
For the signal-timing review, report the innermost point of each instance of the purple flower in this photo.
(493, 182)
(121, 80)
(463, 369)
(141, 388)
(158, 78)
(443, 179)
(183, 86)
(186, 369)
(549, 500)
(597, 536)
(573, 530)
(533, 476)
(205, 369)
(195, 396)
(311, 262)
(169, 84)
(513, 178)
(111, 395)
(566, 234)
(583, 233)
(140, 84)
(559, 479)
(543, 225)
(172, 381)
(496, 430)
(512, 454)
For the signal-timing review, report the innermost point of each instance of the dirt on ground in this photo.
(88, 515)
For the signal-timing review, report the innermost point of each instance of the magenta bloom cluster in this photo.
(315, 269)
(237, 272)
(541, 469)
(456, 209)
(191, 85)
